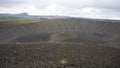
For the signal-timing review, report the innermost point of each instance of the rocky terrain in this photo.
(60, 43)
(58, 55)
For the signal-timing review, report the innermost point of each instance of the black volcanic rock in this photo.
(58, 55)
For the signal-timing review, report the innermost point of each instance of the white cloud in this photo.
(95, 13)
(109, 9)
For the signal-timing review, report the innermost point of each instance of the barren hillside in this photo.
(83, 31)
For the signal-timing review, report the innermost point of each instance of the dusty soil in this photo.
(106, 33)
(59, 37)
(58, 55)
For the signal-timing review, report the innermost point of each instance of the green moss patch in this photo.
(15, 22)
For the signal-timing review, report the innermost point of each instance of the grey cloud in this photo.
(101, 8)
(40, 4)
(12, 3)
(107, 4)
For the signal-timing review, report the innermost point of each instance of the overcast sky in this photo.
(108, 9)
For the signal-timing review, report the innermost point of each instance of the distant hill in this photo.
(13, 15)
(23, 14)
(46, 17)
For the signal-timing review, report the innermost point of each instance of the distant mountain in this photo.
(13, 15)
(23, 14)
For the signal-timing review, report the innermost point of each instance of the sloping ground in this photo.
(84, 31)
(58, 55)
(59, 37)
